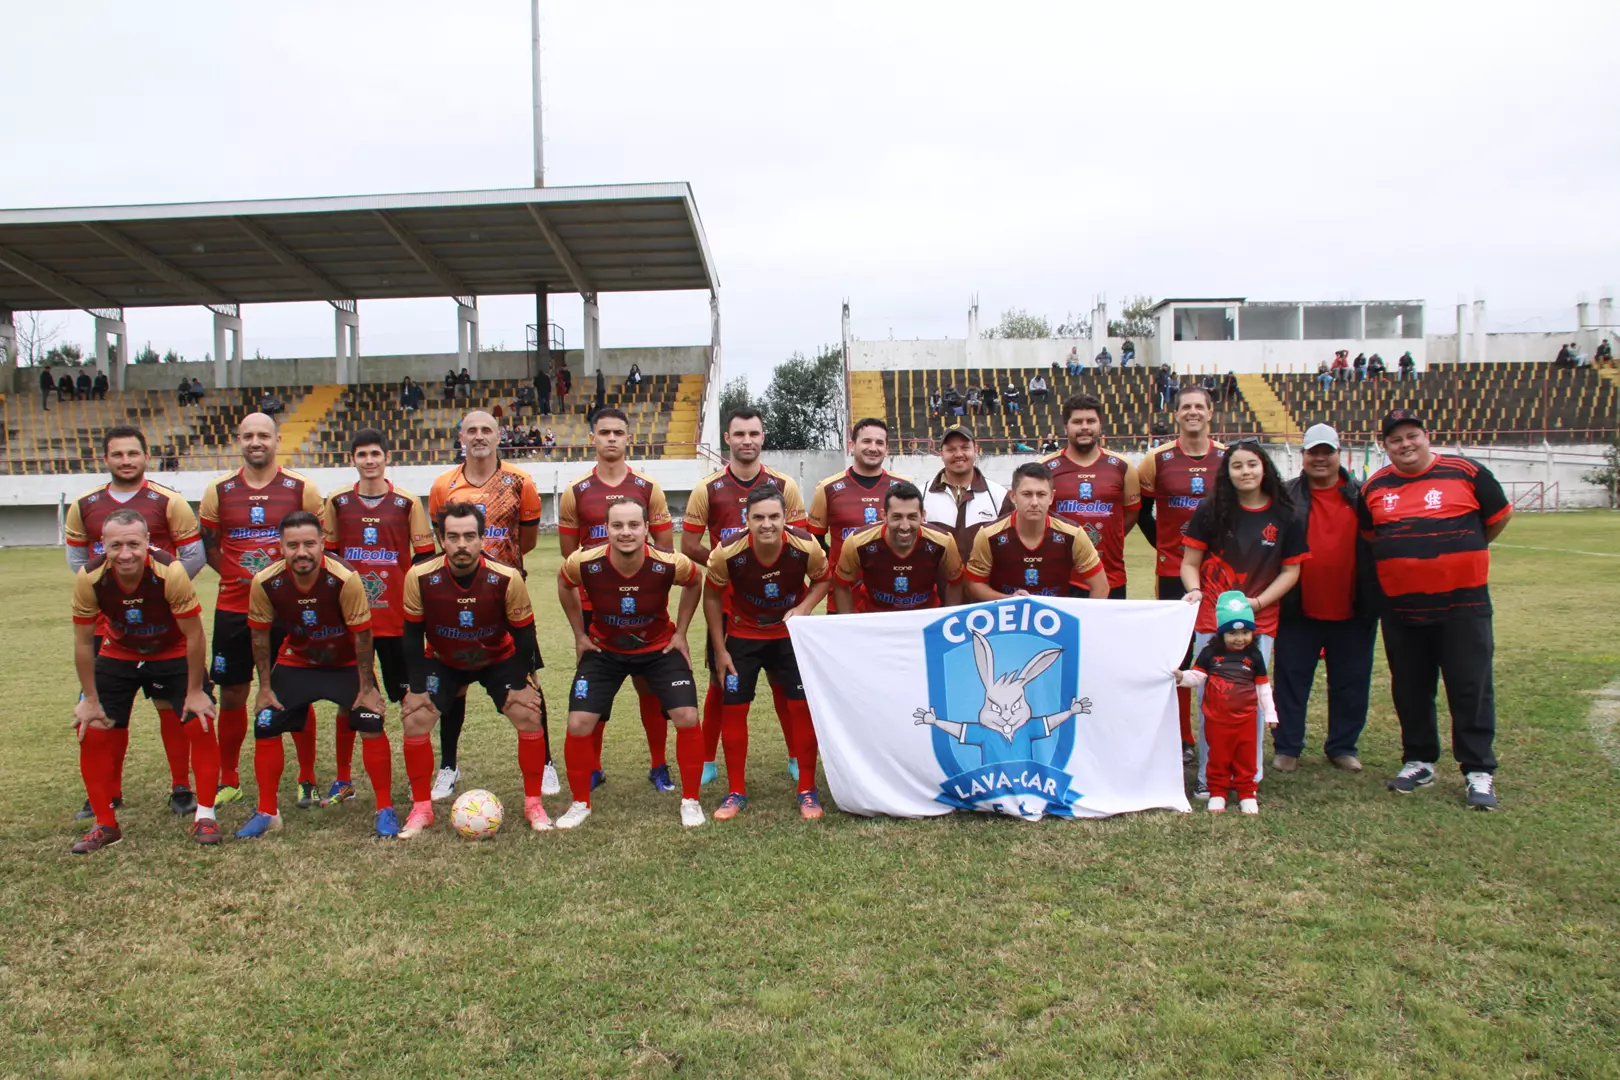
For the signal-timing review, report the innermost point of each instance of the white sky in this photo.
(903, 155)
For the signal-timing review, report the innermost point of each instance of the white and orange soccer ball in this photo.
(476, 814)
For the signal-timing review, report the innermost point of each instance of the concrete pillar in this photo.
(112, 362)
(709, 432)
(227, 350)
(8, 338)
(1479, 331)
(542, 329)
(467, 338)
(593, 335)
(346, 325)
(973, 321)
(1463, 346)
(1605, 314)
(1583, 319)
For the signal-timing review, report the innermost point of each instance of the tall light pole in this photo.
(539, 142)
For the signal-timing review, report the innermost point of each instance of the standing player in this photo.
(900, 565)
(325, 655)
(717, 512)
(630, 635)
(772, 576)
(239, 514)
(467, 620)
(1094, 489)
(582, 522)
(144, 601)
(511, 507)
(171, 529)
(1032, 553)
(1174, 479)
(379, 530)
(847, 502)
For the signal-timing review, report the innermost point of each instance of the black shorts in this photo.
(600, 674)
(396, 680)
(297, 688)
(750, 656)
(708, 644)
(163, 681)
(232, 664)
(445, 683)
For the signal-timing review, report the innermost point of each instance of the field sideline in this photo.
(1345, 932)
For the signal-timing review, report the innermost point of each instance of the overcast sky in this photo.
(903, 156)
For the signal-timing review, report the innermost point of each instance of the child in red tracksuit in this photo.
(1232, 672)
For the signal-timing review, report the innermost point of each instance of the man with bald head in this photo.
(240, 513)
(510, 501)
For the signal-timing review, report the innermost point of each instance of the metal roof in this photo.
(621, 238)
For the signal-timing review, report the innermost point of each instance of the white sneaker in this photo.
(575, 816)
(692, 813)
(444, 784)
(1217, 804)
(1249, 806)
(549, 785)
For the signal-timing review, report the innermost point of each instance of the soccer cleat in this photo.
(228, 793)
(1481, 790)
(85, 813)
(420, 817)
(259, 824)
(97, 838)
(308, 796)
(659, 778)
(535, 811)
(574, 816)
(1413, 775)
(341, 791)
(711, 773)
(730, 807)
(444, 785)
(809, 805)
(182, 800)
(598, 778)
(1217, 804)
(793, 768)
(1201, 792)
(1249, 806)
(691, 813)
(206, 832)
(387, 822)
(549, 784)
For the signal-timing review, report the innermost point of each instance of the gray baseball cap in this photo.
(1321, 435)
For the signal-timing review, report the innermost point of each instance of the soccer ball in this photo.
(476, 815)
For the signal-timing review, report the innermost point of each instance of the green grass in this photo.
(1346, 932)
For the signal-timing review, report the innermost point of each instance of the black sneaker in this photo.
(182, 800)
(1413, 775)
(85, 813)
(1481, 790)
(1201, 792)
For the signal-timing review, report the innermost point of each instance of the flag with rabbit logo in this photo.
(1027, 707)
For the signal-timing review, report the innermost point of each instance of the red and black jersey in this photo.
(1427, 532)
(1095, 497)
(1064, 558)
(1177, 483)
(719, 504)
(467, 623)
(582, 507)
(247, 521)
(1263, 541)
(629, 613)
(761, 593)
(380, 536)
(845, 504)
(142, 623)
(880, 579)
(319, 623)
(170, 524)
(1229, 695)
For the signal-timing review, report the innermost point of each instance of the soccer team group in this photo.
(316, 594)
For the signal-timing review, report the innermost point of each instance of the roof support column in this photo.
(467, 336)
(709, 416)
(593, 334)
(227, 330)
(542, 331)
(346, 322)
(8, 338)
(112, 362)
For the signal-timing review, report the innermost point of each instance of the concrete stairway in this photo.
(1275, 419)
(680, 439)
(866, 395)
(309, 413)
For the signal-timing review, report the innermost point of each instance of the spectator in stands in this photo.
(633, 380)
(463, 384)
(1604, 356)
(64, 388)
(989, 397)
(1230, 390)
(1127, 352)
(1324, 373)
(1566, 355)
(542, 393)
(1072, 365)
(1376, 368)
(952, 399)
(936, 403)
(1211, 387)
(101, 386)
(197, 392)
(564, 381)
(1104, 358)
(601, 393)
(270, 405)
(497, 412)
(47, 387)
(82, 385)
(1359, 368)
(525, 400)
(450, 387)
(1011, 398)
(1405, 367)
(1582, 360)
(1038, 389)
(1168, 385)
(1051, 444)
(549, 441)
(974, 400)
(1342, 368)
(410, 395)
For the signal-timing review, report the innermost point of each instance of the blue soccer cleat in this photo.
(340, 791)
(259, 824)
(730, 807)
(710, 773)
(793, 768)
(659, 778)
(598, 778)
(387, 822)
(809, 805)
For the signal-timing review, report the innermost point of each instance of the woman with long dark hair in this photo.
(1243, 537)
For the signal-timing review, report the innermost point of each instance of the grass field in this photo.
(1346, 932)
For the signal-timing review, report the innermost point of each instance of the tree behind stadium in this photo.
(800, 407)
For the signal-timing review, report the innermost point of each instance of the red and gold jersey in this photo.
(247, 521)
(629, 612)
(762, 593)
(380, 536)
(1095, 497)
(1177, 483)
(468, 624)
(583, 505)
(719, 504)
(509, 499)
(1063, 558)
(170, 524)
(141, 623)
(846, 503)
(883, 580)
(319, 623)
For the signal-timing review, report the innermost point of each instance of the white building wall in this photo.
(947, 353)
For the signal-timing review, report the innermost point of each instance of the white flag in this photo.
(1026, 706)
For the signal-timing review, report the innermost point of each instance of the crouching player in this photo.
(326, 654)
(628, 582)
(774, 576)
(900, 565)
(468, 619)
(154, 642)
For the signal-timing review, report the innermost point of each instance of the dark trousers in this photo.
(1458, 650)
(1347, 645)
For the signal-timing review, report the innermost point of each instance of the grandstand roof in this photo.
(619, 238)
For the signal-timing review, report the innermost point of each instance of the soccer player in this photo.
(239, 514)
(1174, 478)
(1094, 489)
(511, 506)
(379, 530)
(716, 512)
(144, 602)
(847, 502)
(468, 619)
(630, 635)
(171, 529)
(773, 575)
(582, 522)
(900, 565)
(1032, 553)
(325, 655)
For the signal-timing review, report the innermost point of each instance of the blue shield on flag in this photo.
(627, 605)
(465, 618)
(255, 515)
(369, 536)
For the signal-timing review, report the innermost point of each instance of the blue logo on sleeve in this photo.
(582, 687)
(466, 618)
(627, 605)
(369, 536)
(132, 616)
(902, 583)
(1085, 489)
(1032, 576)
(1198, 485)
(870, 515)
(255, 515)
(772, 590)
(310, 618)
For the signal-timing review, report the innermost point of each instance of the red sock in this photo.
(269, 762)
(204, 747)
(711, 723)
(96, 756)
(345, 748)
(378, 759)
(656, 727)
(532, 761)
(419, 766)
(120, 749)
(804, 744)
(689, 759)
(784, 715)
(176, 747)
(1184, 709)
(596, 746)
(734, 734)
(232, 732)
(579, 756)
(304, 747)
